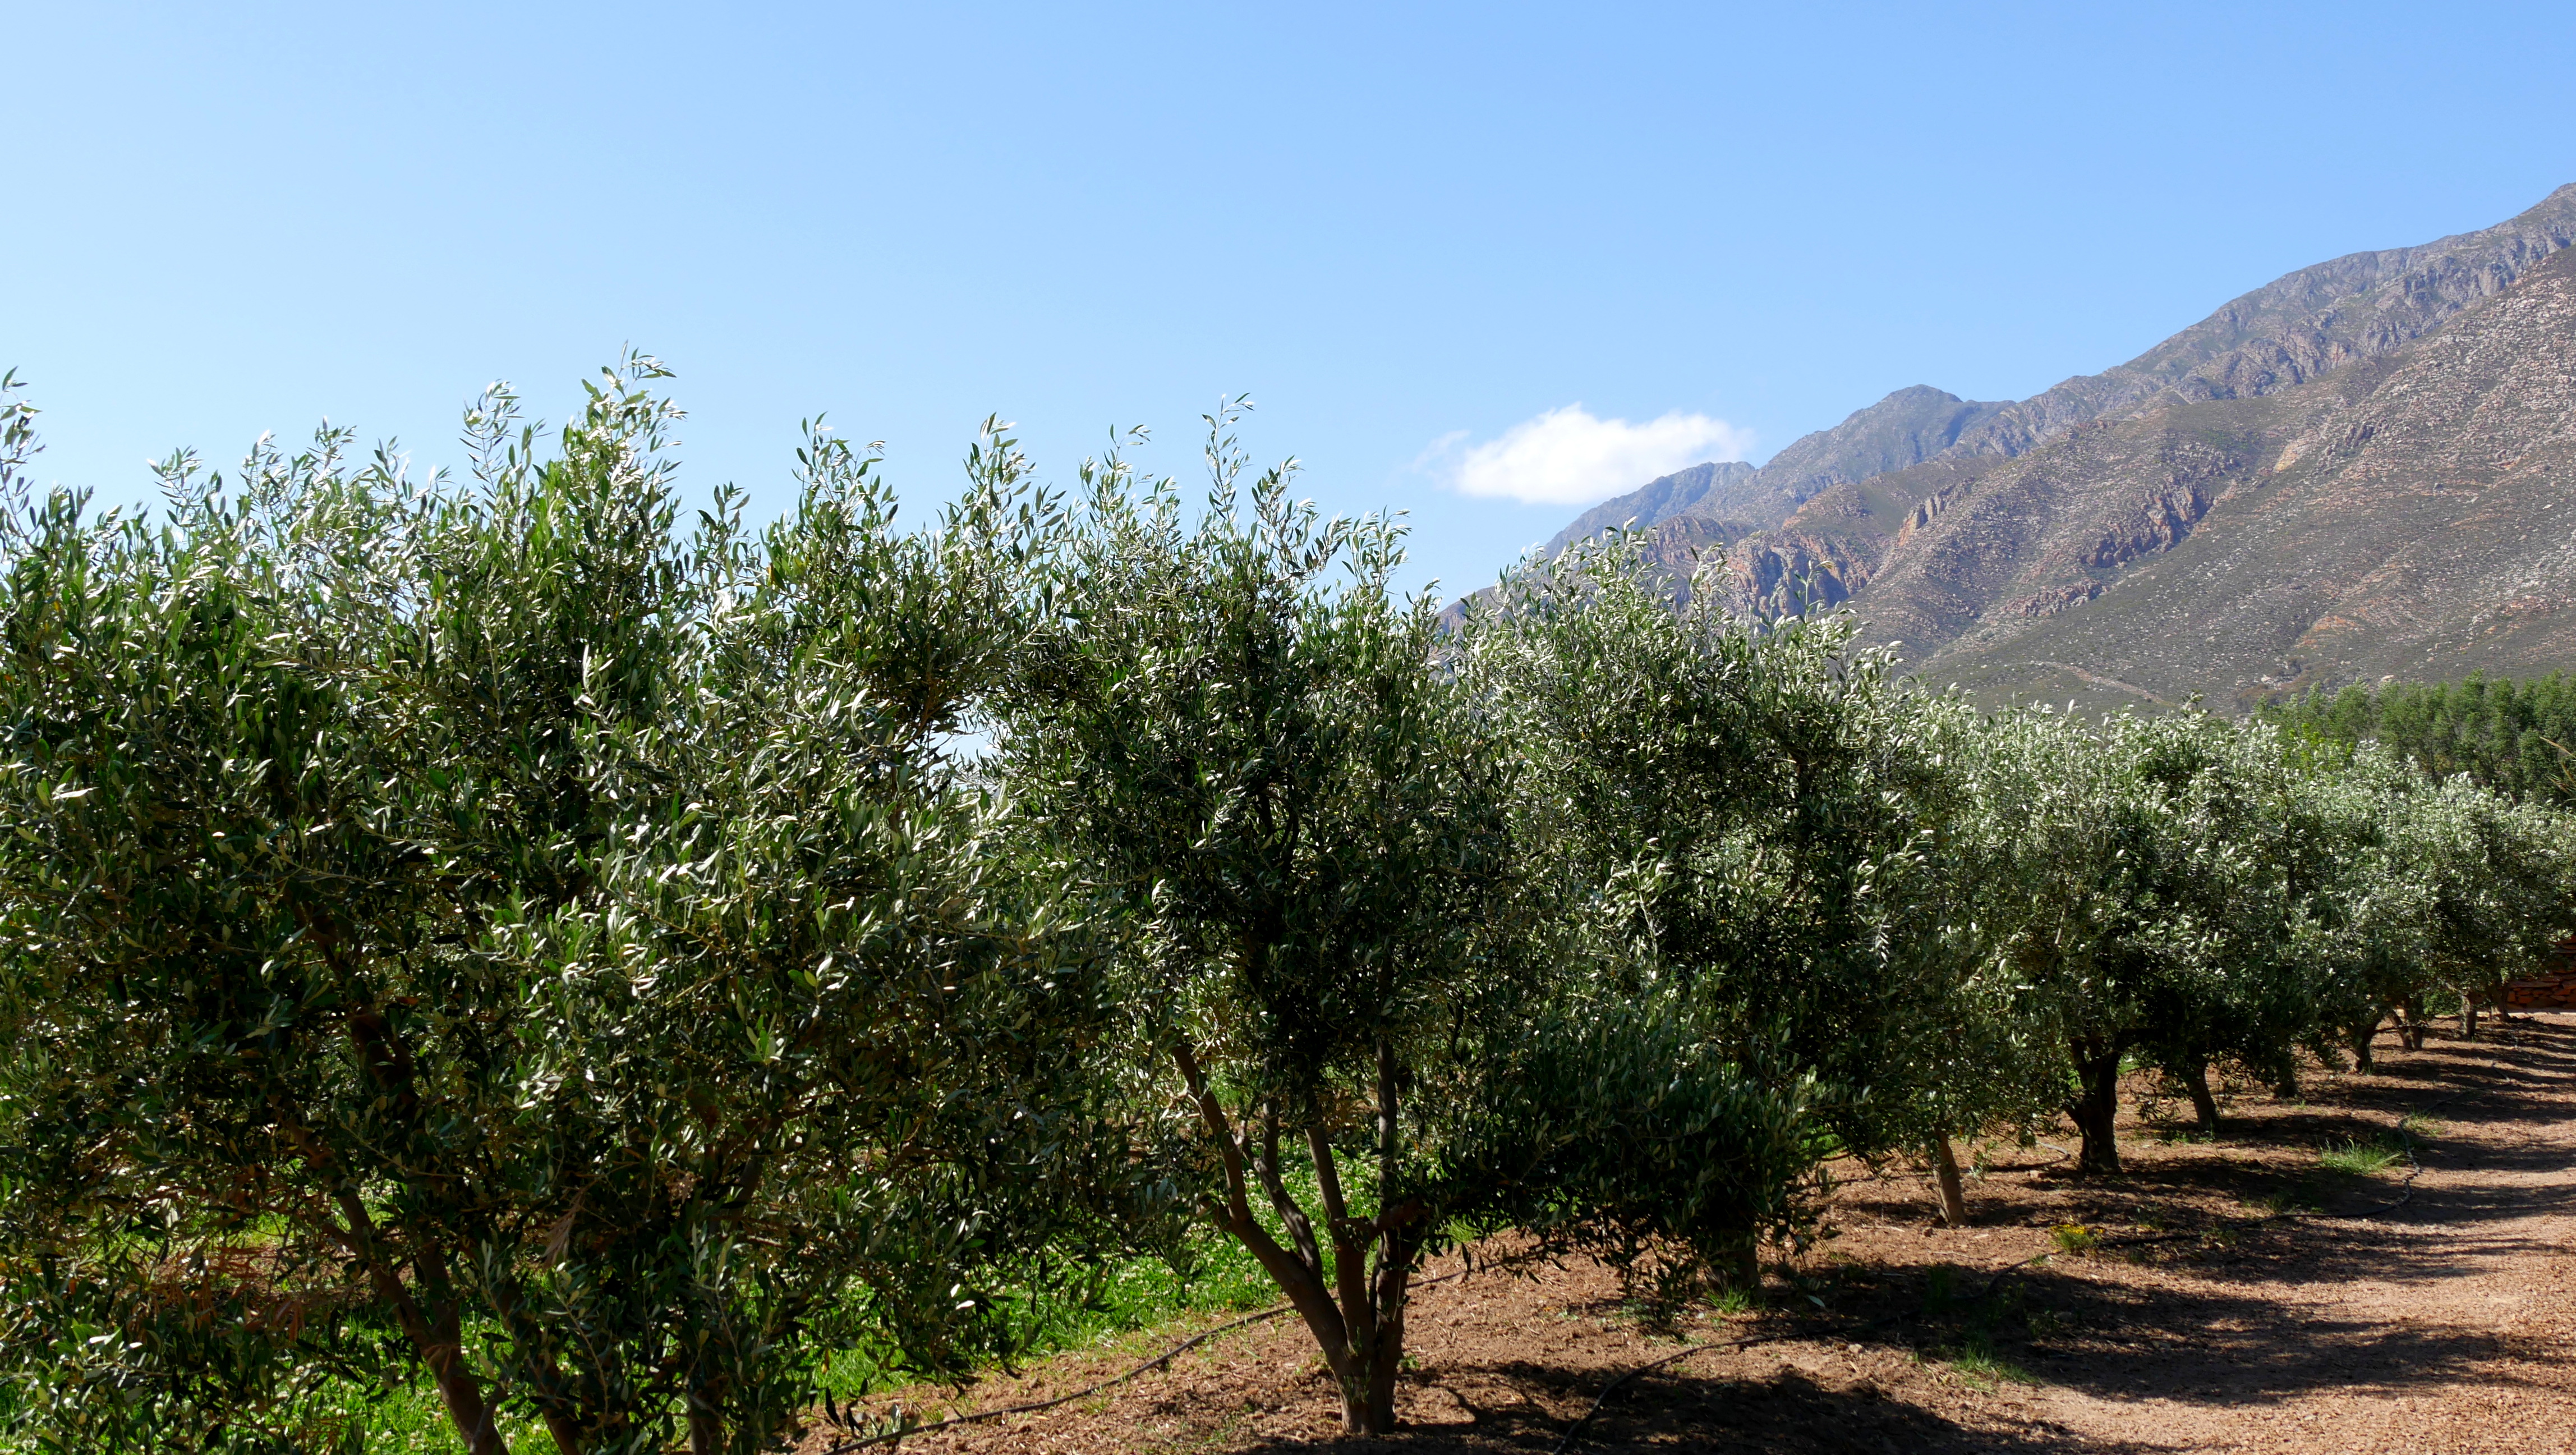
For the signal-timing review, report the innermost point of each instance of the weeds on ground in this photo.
(2074, 1238)
(1975, 1360)
(2360, 1159)
(1972, 1352)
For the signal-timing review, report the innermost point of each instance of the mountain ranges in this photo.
(2364, 470)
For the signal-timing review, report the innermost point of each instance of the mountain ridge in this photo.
(1991, 538)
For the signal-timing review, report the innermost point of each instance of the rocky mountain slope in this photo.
(2410, 515)
(2366, 468)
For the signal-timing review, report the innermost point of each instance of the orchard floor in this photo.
(2239, 1295)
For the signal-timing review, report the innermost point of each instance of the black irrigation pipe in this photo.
(1566, 1441)
(1874, 1175)
(890, 1437)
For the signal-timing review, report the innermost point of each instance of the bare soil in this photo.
(2236, 1295)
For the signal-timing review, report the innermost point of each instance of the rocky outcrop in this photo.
(1792, 570)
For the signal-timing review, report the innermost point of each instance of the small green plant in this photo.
(2360, 1159)
(2419, 1126)
(1977, 1362)
(2074, 1238)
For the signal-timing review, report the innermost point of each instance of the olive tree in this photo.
(2479, 888)
(492, 932)
(1750, 809)
(2161, 885)
(823, 1026)
(1301, 833)
(2363, 914)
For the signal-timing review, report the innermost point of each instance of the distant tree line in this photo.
(2518, 739)
(599, 958)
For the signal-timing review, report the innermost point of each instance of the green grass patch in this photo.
(1217, 1277)
(1977, 1362)
(413, 1422)
(1213, 1278)
(2360, 1159)
(2074, 1238)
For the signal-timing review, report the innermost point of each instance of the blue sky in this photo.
(1407, 231)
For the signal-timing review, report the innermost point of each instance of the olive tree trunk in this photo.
(1354, 1308)
(2195, 1079)
(426, 1309)
(2096, 1107)
(1954, 1196)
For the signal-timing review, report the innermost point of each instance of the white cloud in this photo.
(1568, 457)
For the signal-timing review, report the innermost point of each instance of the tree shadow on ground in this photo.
(2202, 1316)
(1787, 1411)
(2479, 1093)
(2201, 1334)
(2190, 1293)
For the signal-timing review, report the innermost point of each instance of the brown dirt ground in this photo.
(2430, 1313)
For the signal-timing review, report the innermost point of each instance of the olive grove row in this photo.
(599, 957)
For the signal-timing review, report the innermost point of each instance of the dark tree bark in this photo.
(2096, 1108)
(1298, 1273)
(432, 1324)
